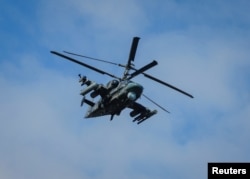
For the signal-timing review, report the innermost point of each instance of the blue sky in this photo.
(202, 47)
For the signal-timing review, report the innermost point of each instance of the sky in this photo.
(201, 47)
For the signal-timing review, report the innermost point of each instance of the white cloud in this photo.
(42, 132)
(90, 22)
(112, 15)
(44, 136)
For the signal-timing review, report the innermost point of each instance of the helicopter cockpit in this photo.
(112, 84)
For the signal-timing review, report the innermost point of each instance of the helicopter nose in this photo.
(134, 91)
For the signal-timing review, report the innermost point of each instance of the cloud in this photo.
(89, 22)
(43, 135)
(42, 130)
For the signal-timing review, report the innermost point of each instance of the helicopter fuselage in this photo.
(116, 99)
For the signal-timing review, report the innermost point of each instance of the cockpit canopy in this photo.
(112, 84)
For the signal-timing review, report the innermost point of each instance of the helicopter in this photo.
(120, 92)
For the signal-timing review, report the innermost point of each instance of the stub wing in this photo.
(140, 112)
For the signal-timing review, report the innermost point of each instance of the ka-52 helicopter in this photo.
(119, 93)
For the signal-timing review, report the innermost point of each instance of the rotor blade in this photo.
(133, 50)
(100, 60)
(141, 70)
(168, 85)
(155, 103)
(83, 64)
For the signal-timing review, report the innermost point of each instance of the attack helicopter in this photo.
(120, 92)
